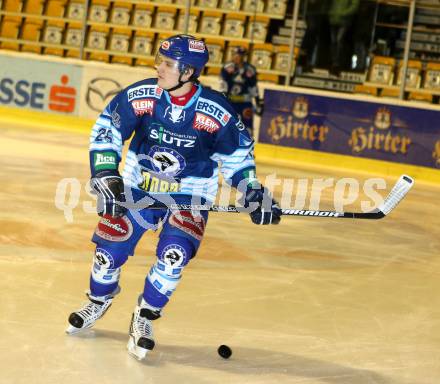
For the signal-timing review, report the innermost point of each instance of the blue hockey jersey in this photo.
(239, 84)
(174, 150)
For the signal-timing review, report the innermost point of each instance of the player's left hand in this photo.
(266, 209)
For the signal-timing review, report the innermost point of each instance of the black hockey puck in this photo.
(224, 351)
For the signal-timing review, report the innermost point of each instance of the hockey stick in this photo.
(398, 192)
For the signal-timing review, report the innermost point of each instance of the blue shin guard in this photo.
(173, 253)
(106, 269)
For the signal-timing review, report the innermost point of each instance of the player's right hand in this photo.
(110, 192)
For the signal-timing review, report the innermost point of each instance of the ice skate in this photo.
(141, 339)
(86, 317)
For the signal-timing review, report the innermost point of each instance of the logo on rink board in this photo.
(379, 136)
(100, 91)
(436, 153)
(23, 93)
(300, 125)
(300, 108)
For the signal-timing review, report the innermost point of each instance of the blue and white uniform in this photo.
(175, 151)
(240, 86)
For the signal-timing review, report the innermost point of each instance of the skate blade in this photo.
(71, 330)
(135, 351)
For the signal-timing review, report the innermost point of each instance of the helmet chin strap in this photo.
(180, 84)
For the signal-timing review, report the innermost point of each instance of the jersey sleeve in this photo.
(234, 150)
(112, 128)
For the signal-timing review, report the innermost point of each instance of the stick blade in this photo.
(398, 192)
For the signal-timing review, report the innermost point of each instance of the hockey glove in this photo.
(265, 209)
(110, 192)
(259, 106)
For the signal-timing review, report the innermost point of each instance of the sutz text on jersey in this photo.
(168, 138)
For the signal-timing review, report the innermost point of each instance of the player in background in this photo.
(182, 132)
(239, 83)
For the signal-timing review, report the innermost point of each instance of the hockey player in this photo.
(181, 132)
(239, 83)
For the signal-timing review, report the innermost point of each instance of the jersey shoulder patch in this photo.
(143, 90)
(143, 96)
(214, 104)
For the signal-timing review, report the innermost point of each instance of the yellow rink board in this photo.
(267, 153)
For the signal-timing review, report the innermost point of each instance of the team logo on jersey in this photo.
(143, 106)
(213, 109)
(176, 115)
(166, 160)
(205, 123)
(196, 46)
(114, 228)
(144, 91)
(174, 255)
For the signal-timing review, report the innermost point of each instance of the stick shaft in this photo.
(397, 193)
(286, 212)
